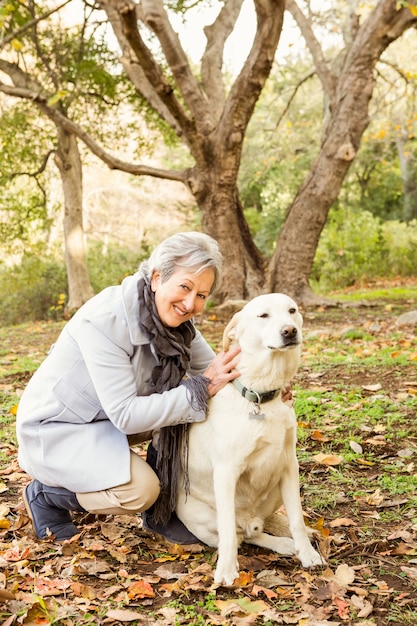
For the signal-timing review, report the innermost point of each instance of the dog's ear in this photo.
(230, 332)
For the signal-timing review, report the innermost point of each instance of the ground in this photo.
(357, 446)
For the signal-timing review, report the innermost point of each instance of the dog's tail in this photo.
(277, 524)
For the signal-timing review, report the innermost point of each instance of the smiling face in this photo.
(182, 296)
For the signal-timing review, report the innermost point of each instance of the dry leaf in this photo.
(140, 589)
(376, 387)
(376, 498)
(241, 605)
(342, 521)
(356, 447)
(344, 575)
(327, 459)
(122, 615)
(256, 590)
(316, 435)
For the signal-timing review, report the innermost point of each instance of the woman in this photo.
(128, 364)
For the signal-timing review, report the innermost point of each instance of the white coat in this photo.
(92, 391)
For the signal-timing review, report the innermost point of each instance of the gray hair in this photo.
(193, 251)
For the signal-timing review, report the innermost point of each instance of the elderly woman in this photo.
(128, 366)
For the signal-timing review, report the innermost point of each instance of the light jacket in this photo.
(92, 391)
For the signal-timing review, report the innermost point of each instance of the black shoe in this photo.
(174, 531)
(49, 509)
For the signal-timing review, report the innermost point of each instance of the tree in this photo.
(67, 157)
(210, 123)
(69, 70)
(213, 125)
(348, 87)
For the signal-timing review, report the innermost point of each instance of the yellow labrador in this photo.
(242, 460)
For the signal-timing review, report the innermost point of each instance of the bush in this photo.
(111, 265)
(30, 289)
(356, 245)
(37, 288)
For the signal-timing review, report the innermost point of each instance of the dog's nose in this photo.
(289, 333)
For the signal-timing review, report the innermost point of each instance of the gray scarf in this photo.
(172, 348)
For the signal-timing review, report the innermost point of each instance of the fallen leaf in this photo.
(344, 575)
(250, 607)
(140, 589)
(363, 606)
(378, 440)
(257, 589)
(356, 447)
(376, 498)
(327, 459)
(83, 591)
(376, 387)
(410, 571)
(406, 453)
(122, 615)
(316, 435)
(342, 608)
(342, 521)
(244, 579)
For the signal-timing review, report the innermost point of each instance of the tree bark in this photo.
(348, 95)
(68, 162)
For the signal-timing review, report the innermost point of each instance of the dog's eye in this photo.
(263, 315)
(292, 310)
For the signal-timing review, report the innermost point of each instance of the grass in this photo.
(356, 402)
(369, 294)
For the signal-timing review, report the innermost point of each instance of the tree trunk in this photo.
(223, 219)
(68, 161)
(349, 95)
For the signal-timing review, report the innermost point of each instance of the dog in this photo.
(242, 463)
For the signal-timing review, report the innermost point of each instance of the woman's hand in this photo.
(222, 370)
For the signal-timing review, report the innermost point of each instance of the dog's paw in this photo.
(251, 527)
(226, 574)
(310, 558)
(226, 580)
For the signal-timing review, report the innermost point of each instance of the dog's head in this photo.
(269, 322)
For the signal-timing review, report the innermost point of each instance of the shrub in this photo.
(356, 245)
(37, 288)
(30, 289)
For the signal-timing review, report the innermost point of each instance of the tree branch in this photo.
(212, 59)
(256, 69)
(122, 15)
(59, 119)
(21, 78)
(155, 17)
(135, 72)
(326, 78)
(291, 98)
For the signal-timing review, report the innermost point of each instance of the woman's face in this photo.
(183, 295)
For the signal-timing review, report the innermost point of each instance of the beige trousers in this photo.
(135, 496)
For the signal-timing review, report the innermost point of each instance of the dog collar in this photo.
(255, 396)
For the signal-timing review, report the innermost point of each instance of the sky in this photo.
(194, 41)
(237, 47)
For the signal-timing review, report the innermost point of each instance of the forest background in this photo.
(296, 149)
